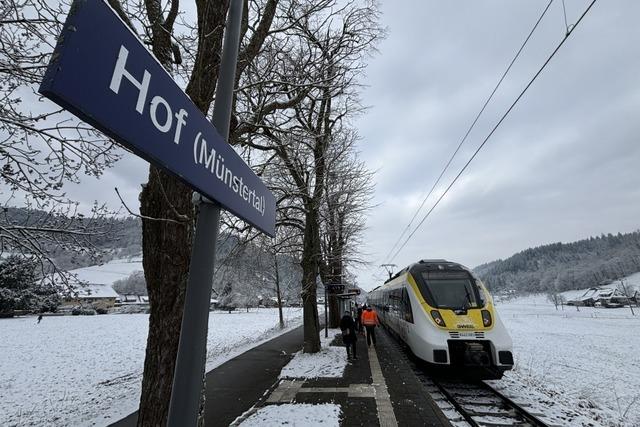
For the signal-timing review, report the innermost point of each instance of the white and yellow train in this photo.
(446, 316)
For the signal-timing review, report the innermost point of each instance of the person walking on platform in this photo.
(359, 318)
(370, 321)
(349, 337)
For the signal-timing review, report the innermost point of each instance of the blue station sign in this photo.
(102, 73)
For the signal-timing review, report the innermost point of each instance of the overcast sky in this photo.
(563, 166)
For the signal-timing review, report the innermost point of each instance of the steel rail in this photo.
(520, 415)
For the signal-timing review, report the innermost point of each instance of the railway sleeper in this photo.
(498, 424)
(488, 400)
(496, 421)
(489, 410)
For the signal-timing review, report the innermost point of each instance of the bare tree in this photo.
(628, 293)
(41, 146)
(297, 75)
(167, 244)
(276, 249)
(39, 234)
(133, 284)
(554, 297)
(292, 121)
(349, 192)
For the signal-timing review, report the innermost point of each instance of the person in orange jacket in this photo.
(370, 320)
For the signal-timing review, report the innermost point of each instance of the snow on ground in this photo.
(633, 280)
(297, 415)
(87, 370)
(98, 279)
(108, 273)
(582, 367)
(330, 362)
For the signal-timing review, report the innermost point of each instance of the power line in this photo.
(569, 31)
(464, 138)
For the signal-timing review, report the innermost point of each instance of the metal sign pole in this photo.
(190, 362)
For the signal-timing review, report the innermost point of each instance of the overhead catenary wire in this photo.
(504, 116)
(564, 11)
(473, 124)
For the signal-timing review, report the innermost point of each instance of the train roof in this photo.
(436, 264)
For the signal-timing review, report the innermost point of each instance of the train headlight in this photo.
(437, 318)
(486, 318)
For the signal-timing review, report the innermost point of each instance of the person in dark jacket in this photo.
(348, 327)
(358, 318)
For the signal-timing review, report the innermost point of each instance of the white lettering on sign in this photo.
(162, 117)
(119, 71)
(156, 116)
(214, 162)
(158, 100)
(180, 122)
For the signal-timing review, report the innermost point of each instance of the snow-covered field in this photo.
(110, 272)
(97, 280)
(87, 370)
(583, 367)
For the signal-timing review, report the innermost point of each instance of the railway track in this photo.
(480, 405)
(475, 404)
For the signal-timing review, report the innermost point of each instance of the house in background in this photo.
(92, 295)
(132, 300)
(97, 291)
(600, 296)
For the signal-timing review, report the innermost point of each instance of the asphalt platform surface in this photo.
(236, 385)
(250, 381)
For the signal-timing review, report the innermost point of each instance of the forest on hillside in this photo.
(104, 237)
(560, 267)
(244, 269)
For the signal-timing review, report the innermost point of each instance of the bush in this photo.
(20, 289)
(80, 311)
(130, 309)
(135, 284)
(8, 300)
(17, 273)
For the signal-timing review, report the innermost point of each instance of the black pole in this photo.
(190, 362)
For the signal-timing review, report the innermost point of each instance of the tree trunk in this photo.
(167, 252)
(275, 263)
(309, 265)
(166, 245)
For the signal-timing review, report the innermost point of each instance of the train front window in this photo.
(454, 291)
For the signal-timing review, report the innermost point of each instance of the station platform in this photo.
(378, 389)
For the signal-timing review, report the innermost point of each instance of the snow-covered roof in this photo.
(595, 293)
(96, 291)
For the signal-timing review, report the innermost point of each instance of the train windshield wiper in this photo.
(467, 304)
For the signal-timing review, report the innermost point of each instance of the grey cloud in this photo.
(564, 164)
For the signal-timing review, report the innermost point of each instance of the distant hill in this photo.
(565, 266)
(242, 269)
(124, 239)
